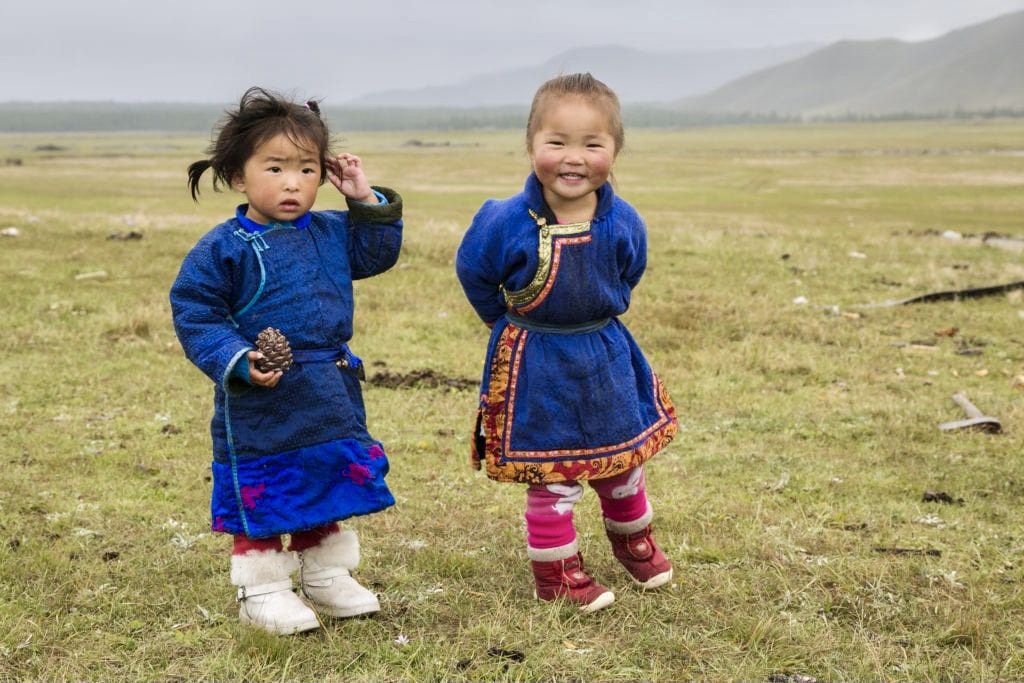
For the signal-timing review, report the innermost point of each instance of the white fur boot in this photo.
(326, 578)
(265, 596)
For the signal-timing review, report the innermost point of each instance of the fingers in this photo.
(342, 161)
(334, 179)
(345, 171)
(266, 379)
(346, 159)
(257, 376)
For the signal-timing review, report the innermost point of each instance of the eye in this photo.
(274, 169)
(595, 145)
(307, 171)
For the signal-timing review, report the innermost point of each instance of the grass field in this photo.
(808, 431)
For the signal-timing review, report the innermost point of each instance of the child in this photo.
(291, 452)
(567, 395)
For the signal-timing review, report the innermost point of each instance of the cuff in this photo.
(630, 527)
(388, 211)
(236, 379)
(562, 552)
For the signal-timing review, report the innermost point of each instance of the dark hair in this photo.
(261, 115)
(581, 85)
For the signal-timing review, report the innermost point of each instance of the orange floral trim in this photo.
(494, 419)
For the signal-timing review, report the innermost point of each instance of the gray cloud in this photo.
(210, 50)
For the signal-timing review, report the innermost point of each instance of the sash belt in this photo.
(316, 355)
(549, 328)
(341, 356)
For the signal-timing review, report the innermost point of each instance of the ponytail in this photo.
(195, 171)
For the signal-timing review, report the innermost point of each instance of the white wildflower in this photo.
(931, 519)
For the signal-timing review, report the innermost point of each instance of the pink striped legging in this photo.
(549, 510)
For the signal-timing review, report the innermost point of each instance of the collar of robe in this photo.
(250, 225)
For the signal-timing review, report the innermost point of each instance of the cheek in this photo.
(545, 165)
(602, 165)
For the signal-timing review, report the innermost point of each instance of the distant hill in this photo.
(635, 75)
(977, 68)
(46, 117)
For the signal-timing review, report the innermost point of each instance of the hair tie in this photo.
(313, 107)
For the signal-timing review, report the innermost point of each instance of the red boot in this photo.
(566, 579)
(641, 557)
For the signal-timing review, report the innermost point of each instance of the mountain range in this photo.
(977, 68)
(635, 75)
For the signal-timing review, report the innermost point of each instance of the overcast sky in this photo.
(211, 50)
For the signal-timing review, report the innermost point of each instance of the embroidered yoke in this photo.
(566, 392)
(299, 455)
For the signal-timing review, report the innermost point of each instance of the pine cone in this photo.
(277, 354)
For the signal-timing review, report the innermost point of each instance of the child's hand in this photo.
(261, 379)
(346, 173)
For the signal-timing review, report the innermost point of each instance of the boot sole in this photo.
(602, 601)
(655, 581)
(346, 612)
(282, 630)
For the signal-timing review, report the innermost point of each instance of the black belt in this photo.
(549, 328)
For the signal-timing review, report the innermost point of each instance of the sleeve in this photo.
(201, 310)
(478, 266)
(632, 250)
(375, 234)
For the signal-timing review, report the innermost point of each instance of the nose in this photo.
(573, 155)
(291, 181)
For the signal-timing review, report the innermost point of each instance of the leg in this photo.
(262, 571)
(328, 556)
(304, 540)
(624, 500)
(627, 521)
(553, 551)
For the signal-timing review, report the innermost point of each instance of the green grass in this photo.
(808, 432)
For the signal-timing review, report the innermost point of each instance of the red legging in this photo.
(301, 540)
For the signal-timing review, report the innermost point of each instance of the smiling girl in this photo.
(567, 395)
(291, 452)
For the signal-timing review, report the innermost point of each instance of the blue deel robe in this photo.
(298, 455)
(566, 392)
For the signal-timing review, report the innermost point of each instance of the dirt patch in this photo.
(420, 379)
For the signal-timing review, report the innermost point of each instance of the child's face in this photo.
(572, 152)
(280, 181)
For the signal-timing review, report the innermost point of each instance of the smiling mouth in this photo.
(571, 176)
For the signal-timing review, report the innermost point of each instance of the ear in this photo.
(238, 183)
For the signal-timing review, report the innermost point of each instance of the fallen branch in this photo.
(951, 295)
(931, 552)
